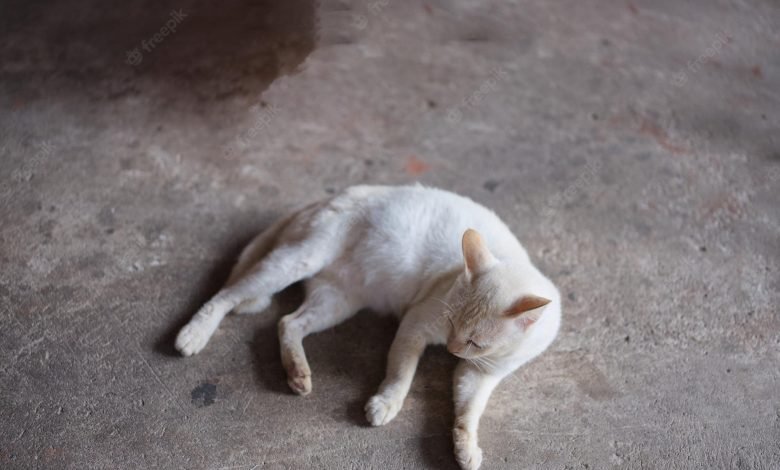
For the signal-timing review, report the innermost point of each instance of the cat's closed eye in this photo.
(474, 344)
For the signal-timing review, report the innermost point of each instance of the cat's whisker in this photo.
(487, 364)
(488, 361)
(476, 364)
(482, 364)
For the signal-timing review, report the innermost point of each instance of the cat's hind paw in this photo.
(381, 410)
(193, 338)
(300, 384)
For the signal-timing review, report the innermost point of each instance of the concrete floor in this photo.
(633, 146)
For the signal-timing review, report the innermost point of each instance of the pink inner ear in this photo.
(476, 255)
(529, 302)
(526, 321)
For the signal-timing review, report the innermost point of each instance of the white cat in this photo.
(410, 250)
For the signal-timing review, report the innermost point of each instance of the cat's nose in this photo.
(453, 347)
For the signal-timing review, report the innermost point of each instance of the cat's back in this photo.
(430, 217)
(396, 202)
(399, 237)
(417, 224)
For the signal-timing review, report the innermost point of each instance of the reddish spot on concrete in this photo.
(428, 9)
(757, 72)
(661, 137)
(414, 166)
(741, 100)
(53, 454)
(724, 205)
(616, 120)
(633, 8)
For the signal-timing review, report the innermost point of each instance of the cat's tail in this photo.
(288, 252)
(260, 246)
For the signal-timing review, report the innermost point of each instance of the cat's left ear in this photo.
(527, 310)
(477, 257)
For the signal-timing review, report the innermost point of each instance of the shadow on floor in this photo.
(355, 350)
(205, 287)
(210, 49)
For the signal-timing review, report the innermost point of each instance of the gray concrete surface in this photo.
(634, 147)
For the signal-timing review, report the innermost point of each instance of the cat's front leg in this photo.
(402, 360)
(472, 390)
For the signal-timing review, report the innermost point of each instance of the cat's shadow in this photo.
(266, 359)
(210, 51)
(434, 390)
(356, 350)
(205, 287)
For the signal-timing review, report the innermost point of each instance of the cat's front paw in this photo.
(381, 410)
(469, 459)
(467, 452)
(192, 338)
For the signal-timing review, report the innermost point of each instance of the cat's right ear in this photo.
(476, 255)
(527, 310)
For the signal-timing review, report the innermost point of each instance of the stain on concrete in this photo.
(46, 229)
(661, 136)
(491, 185)
(106, 216)
(415, 167)
(204, 394)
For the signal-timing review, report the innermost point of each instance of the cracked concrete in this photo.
(633, 146)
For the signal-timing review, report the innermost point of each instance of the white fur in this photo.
(399, 250)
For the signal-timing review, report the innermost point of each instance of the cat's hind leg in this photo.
(290, 261)
(259, 247)
(326, 305)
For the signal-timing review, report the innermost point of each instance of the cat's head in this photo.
(492, 306)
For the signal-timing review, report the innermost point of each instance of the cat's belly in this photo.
(378, 289)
